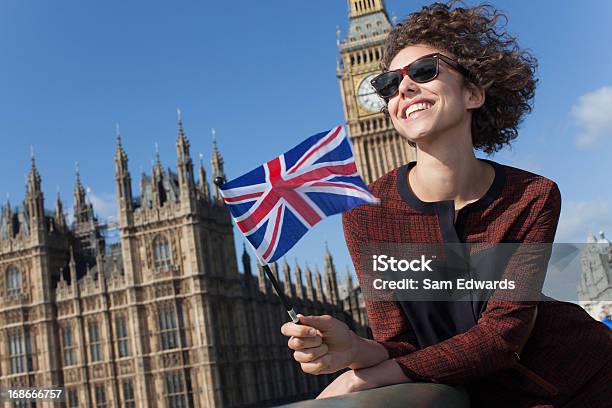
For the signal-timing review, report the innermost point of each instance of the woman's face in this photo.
(445, 99)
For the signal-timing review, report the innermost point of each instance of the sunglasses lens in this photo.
(387, 84)
(423, 70)
(420, 71)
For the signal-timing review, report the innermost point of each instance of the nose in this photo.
(407, 87)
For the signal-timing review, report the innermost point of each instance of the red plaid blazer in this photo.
(547, 353)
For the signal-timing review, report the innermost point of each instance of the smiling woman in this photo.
(454, 82)
(491, 58)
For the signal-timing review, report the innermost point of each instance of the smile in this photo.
(416, 107)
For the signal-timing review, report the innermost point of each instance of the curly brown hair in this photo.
(472, 37)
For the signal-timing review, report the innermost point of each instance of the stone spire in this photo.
(331, 279)
(60, 219)
(157, 166)
(123, 183)
(246, 262)
(34, 201)
(121, 159)
(157, 175)
(7, 220)
(182, 144)
(263, 288)
(309, 287)
(299, 285)
(274, 268)
(83, 210)
(79, 193)
(7, 205)
(143, 184)
(184, 166)
(287, 279)
(217, 166)
(86, 229)
(203, 186)
(319, 281)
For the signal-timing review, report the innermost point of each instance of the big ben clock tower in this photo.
(378, 147)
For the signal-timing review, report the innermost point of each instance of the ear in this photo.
(474, 96)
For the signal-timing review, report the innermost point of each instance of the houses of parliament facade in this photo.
(163, 317)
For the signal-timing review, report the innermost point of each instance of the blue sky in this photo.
(263, 74)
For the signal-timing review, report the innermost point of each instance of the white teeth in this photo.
(418, 106)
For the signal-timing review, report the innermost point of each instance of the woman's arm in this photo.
(387, 372)
(368, 353)
(390, 326)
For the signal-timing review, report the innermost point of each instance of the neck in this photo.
(447, 169)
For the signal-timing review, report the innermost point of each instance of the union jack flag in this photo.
(275, 204)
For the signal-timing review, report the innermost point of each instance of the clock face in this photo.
(367, 97)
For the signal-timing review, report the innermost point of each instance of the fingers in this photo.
(321, 323)
(310, 354)
(299, 343)
(297, 330)
(319, 366)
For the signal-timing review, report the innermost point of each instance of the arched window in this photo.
(167, 328)
(121, 332)
(20, 352)
(161, 253)
(13, 281)
(68, 345)
(176, 389)
(95, 343)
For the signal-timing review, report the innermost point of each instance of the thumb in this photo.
(322, 323)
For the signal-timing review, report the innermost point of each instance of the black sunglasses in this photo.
(423, 70)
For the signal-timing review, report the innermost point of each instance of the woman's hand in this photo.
(322, 344)
(345, 383)
(386, 373)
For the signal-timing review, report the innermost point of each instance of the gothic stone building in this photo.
(595, 288)
(161, 318)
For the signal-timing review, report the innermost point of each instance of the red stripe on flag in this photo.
(339, 185)
(302, 207)
(242, 197)
(330, 138)
(264, 208)
(267, 203)
(274, 233)
(323, 172)
(274, 169)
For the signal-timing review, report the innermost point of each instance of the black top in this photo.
(451, 230)
(436, 320)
